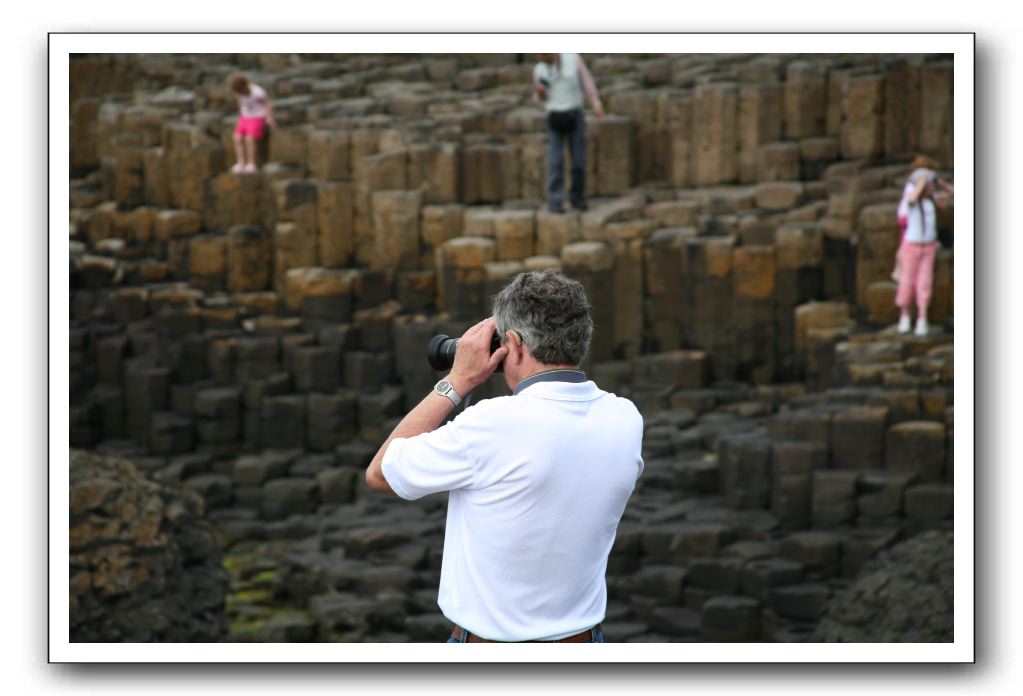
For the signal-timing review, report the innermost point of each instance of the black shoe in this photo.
(556, 208)
(580, 205)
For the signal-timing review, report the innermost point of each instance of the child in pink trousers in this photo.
(255, 112)
(915, 258)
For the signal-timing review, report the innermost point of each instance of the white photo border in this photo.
(959, 45)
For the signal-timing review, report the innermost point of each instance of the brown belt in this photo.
(581, 637)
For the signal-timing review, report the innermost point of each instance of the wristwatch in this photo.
(444, 388)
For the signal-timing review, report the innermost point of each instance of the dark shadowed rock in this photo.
(145, 563)
(905, 595)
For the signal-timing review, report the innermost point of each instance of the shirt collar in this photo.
(556, 375)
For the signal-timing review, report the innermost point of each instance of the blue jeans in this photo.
(597, 636)
(576, 140)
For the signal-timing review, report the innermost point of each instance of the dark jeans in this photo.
(576, 141)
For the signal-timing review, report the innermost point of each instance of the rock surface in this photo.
(905, 595)
(145, 565)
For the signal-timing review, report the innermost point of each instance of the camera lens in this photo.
(440, 352)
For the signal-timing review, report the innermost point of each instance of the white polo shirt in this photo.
(538, 483)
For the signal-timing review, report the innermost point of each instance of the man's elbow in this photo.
(376, 481)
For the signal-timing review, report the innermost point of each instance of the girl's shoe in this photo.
(238, 168)
(249, 169)
(904, 324)
(921, 327)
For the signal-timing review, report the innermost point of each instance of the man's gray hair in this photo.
(549, 312)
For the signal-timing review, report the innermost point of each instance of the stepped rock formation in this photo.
(255, 337)
(903, 596)
(145, 564)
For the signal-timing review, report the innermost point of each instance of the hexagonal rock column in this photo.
(916, 447)
(592, 264)
(462, 276)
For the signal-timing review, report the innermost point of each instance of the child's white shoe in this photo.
(237, 168)
(904, 324)
(921, 327)
(249, 169)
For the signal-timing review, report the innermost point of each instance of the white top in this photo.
(538, 483)
(921, 223)
(921, 217)
(568, 80)
(253, 104)
(930, 174)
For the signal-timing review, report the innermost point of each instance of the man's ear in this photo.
(513, 341)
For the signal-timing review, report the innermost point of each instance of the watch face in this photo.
(442, 386)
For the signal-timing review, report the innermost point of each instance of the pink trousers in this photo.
(916, 274)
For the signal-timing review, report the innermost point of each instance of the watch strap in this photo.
(447, 390)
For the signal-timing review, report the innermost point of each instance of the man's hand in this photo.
(473, 361)
(541, 90)
(599, 112)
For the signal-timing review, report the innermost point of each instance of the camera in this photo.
(440, 352)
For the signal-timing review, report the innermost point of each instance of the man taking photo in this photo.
(537, 480)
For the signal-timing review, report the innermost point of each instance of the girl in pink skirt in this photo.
(255, 112)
